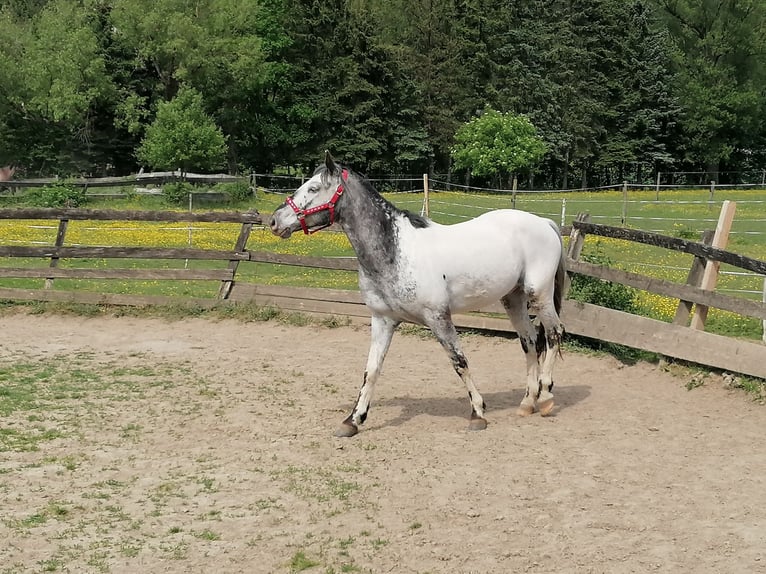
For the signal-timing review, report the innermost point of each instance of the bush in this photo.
(238, 192)
(603, 293)
(177, 192)
(58, 195)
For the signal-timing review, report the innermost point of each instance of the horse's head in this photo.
(312, 206)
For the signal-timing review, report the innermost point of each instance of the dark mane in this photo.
(416, 220)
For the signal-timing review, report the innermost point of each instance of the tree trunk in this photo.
(565, 181)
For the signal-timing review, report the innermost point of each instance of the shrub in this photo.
(57, 195)
(177, 192)
(238, 191)
(603, 293)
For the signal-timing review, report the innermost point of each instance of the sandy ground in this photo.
(200, 446)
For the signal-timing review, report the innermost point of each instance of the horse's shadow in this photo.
(499, 404)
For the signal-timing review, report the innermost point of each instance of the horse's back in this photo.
(482, 259)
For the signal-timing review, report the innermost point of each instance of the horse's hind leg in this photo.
(444, 330)
(382, 331)
(549, 348)
(515, 304)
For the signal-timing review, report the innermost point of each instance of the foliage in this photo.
(237, 192)
(183, 136)
(617, 89)
(57, 195)
(719, 76)
(497, 143)
(599, 292)
(177, 192)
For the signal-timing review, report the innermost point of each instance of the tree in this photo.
(497, 144)
(183, 136)
(54, 84)
(720, 72)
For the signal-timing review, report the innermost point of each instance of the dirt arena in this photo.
(133, 445)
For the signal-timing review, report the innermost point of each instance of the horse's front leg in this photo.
(382, 331)
(442, 327)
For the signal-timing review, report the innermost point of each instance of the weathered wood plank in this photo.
(710, 275)
(60, 235)
(120, 253)
(669, 340)
(684, 309)
(684, 292)
(128, 215)
(129, 180)
(92, 298)
(338, 263)
(312, 306)
(145, 274)
(239, 246)
(675, 243)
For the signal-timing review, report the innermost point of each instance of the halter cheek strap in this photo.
(329, 206)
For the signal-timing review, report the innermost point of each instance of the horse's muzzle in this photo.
(284, 233)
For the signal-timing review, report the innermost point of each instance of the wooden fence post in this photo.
(576, 241)
(239, 246)
(710, 275)
(684, 309)
(624, 202)
(60, 234)
(426, 200)
(657, 188)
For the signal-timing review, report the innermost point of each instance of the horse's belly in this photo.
(465, 296)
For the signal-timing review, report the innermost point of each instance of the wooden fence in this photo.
(583, 319)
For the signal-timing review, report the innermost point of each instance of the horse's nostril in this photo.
(273, 222)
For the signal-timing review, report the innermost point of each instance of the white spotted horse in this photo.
(413, 269)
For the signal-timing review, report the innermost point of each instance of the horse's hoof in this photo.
(477, 423)
(545, 407)
(525, 410)
(346, 430)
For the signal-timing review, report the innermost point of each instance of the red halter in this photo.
(329, 206)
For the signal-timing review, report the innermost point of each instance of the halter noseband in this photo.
(329, 206)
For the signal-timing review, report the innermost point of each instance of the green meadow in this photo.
(679, 213)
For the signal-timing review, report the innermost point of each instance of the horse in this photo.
(416, 270)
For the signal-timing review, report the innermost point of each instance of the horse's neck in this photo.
(370, 224)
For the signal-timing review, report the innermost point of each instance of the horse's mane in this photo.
(417, 221)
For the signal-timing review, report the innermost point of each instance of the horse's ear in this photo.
(329, 162)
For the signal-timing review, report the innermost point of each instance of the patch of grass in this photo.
(51, 565)
(300, 562)
(54, 510)
(26, 440)
(207, 535)
(175, 551)
(315, 483)
(756, 388)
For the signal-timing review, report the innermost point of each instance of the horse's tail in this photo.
(561, 272)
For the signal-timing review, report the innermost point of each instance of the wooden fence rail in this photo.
(672, 340)
(127, 181)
